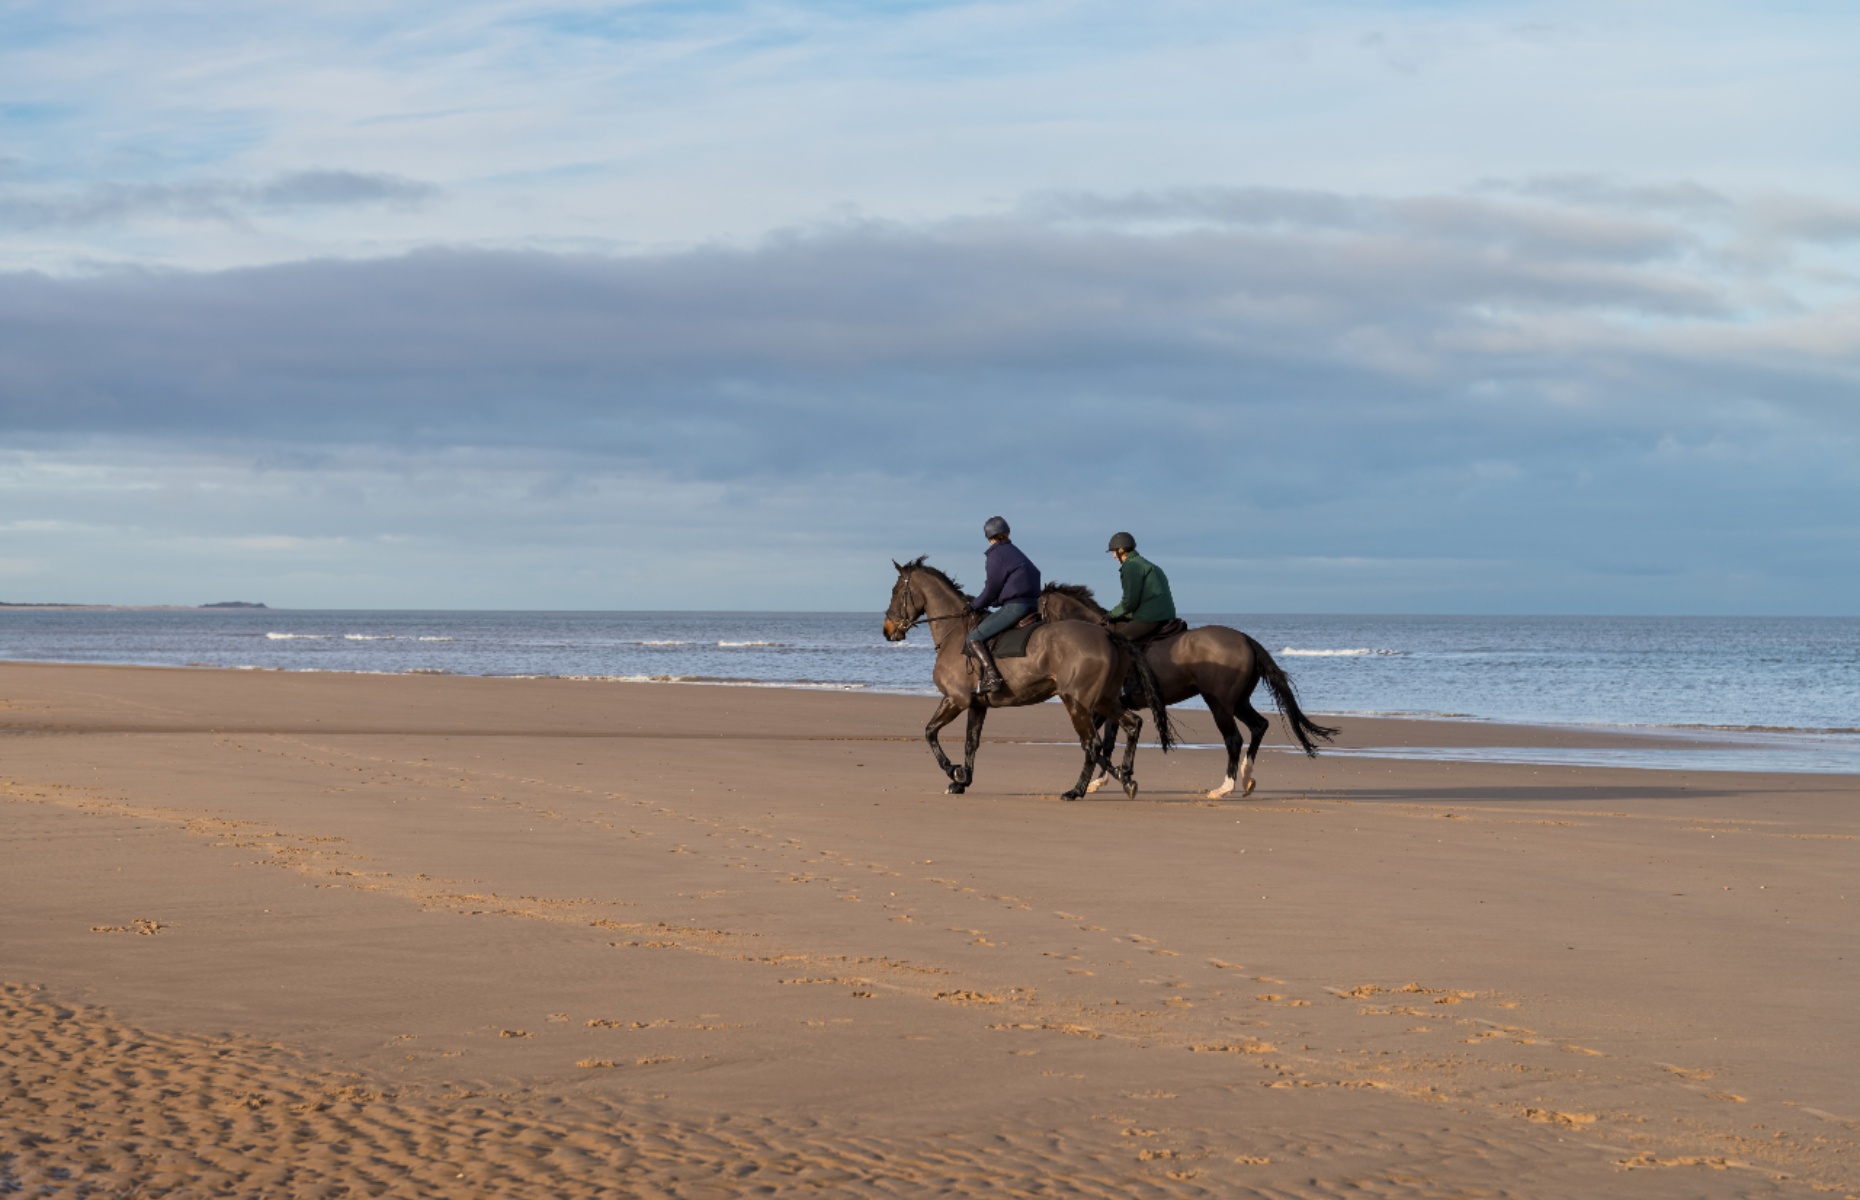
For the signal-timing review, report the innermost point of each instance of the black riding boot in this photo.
(991, 675)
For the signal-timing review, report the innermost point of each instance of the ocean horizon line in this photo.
(222, 608)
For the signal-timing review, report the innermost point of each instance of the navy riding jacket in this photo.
(1011, 576)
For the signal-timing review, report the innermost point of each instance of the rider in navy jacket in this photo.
(1014, 585)
(1012, 577)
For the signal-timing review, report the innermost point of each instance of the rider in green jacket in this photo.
(1147, 604)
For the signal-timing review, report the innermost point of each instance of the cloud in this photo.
(654, 124)
(24, 209)
(706, 359)
(1681, 196)
(1811, 220)
(1293, 377)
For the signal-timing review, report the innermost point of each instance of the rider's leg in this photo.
(1135, 631)
(989, 675)
(999, 621)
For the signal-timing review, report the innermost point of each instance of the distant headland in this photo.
(127, 607)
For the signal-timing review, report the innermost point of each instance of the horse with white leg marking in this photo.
(1219, 664)
(1086, 666)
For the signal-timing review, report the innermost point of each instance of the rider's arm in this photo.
(1131, 574)
(997, 575)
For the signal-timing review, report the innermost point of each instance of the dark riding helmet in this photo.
(995, 527)
(1121, 541)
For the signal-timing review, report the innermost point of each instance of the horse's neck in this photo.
(1061, 607)
(942, 601)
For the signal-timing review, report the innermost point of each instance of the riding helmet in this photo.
(995, 527)
(1121, 541)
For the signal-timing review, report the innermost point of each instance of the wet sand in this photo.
(309, 935)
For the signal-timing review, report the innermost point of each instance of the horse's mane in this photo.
(1076, 591)
(918, 563)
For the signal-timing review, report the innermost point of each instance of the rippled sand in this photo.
(275, 935)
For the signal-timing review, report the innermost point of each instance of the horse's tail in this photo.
(1303, 727)
(1151, 688)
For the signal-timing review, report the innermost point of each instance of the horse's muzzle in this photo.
(892, 632)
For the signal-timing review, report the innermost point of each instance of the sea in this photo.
(1743, 693)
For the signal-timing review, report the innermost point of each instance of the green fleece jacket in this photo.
(1146, 592)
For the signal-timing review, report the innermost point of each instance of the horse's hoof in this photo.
(1094, 785)
(1225, 789)
(1130, 788)
(955, 789)
(960, 776)
(1074, 794)
(1249, 789)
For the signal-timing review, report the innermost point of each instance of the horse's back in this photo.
(1208, 642)
(1219, 660)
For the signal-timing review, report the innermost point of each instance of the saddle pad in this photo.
(1012, 643)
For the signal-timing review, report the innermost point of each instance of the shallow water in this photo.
(1837, 754)
(1786, 675)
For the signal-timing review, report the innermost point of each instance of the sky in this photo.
(1449, 307)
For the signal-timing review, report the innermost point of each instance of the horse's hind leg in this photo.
(1230, 734)
(1088, 741)
(1109, 743)
(1133, 726)
(1257, 724)
(944, 714)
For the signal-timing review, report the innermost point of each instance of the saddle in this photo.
(1012, 642)
(1167, 629)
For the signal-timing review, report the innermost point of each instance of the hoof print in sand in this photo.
(141, 926)
(1247, 1047)
(1548, 1116)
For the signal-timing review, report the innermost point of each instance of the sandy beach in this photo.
(272, 934)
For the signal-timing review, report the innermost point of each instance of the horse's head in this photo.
(906, 607)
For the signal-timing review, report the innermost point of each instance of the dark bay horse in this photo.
(1220, 665)
(1085, 665)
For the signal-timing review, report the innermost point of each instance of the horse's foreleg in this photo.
(1108, 729)
(944, 714)
(1230, 735)
(1088, 741)
(1257, 724)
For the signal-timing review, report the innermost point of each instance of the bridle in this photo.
(921, 614)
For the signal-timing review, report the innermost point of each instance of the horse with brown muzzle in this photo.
(1085, 665)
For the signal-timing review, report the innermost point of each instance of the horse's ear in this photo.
(899, 565)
